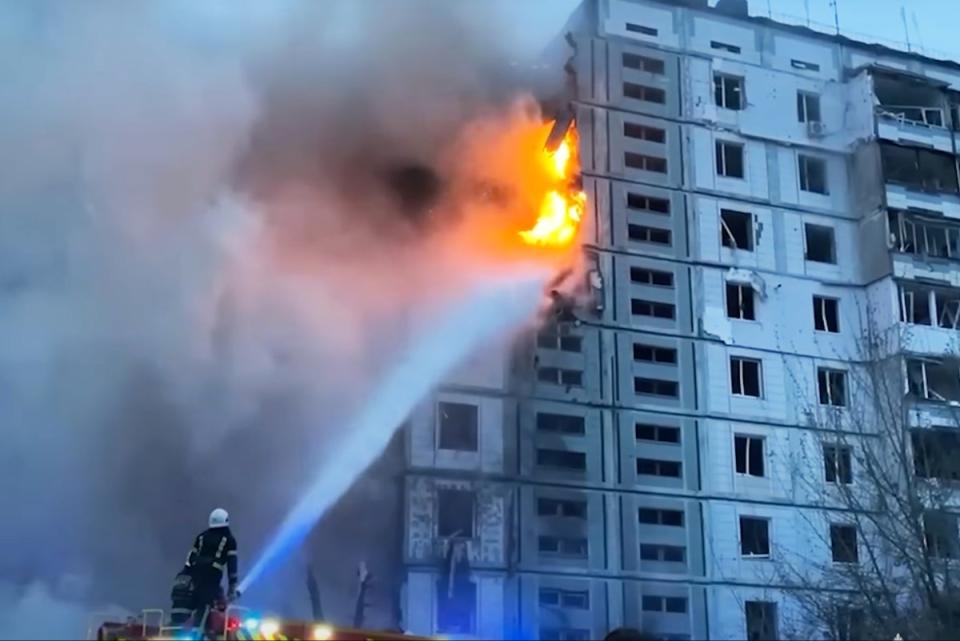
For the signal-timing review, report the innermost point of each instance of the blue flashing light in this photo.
(251, 625)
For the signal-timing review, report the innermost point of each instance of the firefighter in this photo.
(213, 550)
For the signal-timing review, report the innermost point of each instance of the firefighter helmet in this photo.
(219, 518)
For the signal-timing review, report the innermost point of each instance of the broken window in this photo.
(736, 229)
(740, 301)
(648, 234)
(576, 599)
(761, 620)
(908, 100)
(644, 132)
(560, 376)
(458, 426)
(551, 338)
(728, 91)
(560, 423)
(644, 63)
(748, 455)
(808, 107)
(722, 46)
(652, 603)
(813, 174)
(922, 169)
(653, 516)
(913, 235)
(843, 543)
(560, 507)
(639, 28)
(729, 159)
(658, 467)
(832, 387)
(644, 276)
(644, 93)
(826, 317)
(654, 354)
(564, 546)
(947, 304)
(664, 553)
(455, 512)
(656, 387)
(936, 454)
(653, 309)
(644, 162)
(933, 380)
(658, 433)
(650, 204)
(940, 535)
(914, 305)
(754, 536)
(745, 376)
(562, 459)
(820, 243)
(804, 66)
(836, 464)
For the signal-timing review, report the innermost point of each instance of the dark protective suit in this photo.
(213, 550)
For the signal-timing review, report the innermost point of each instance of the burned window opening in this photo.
(826, 316)
(648, 234)
(644, 93)
(736, 229)
(740, 301)
(921, 169)
(820, 243)
(458, 426)
(644, 132)
(934, 380)
(455, 512)
(650, 204)
(911, 235)
(655, 66)
(909, 101)
(745, 377)
(754, 536)
(936, 454)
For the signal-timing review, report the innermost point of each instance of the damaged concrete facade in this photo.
(753, 190)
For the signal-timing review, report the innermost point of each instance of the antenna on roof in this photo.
(836, 15)
(806, 8)
(769, 10)
(906, 31)
(916, 30)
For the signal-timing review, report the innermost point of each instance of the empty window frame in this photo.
(644, 276)
(723, 46)
(921, 169)
(745, 377)
(561, 423)
(940, 535)
(458, 426)
(736, 229)
(663, 553)
(808, 107)
(645, 162)
(832, 387)
(456, 510)
(813, 174)
(632, 27)
(562, 459)
(821, 246)
(562, 507)
(728, 92)
(652, 516)
(563, 546)
(644, 93)
(643, 63)
(654, 354)
(652, 309)
(653, 603)
(648, 234)
(650, 204)
(933, 380)
(560, 376)
(644, 132)
(843, 543)
(754, 536)
(644, 386)
(913, 235)
(550, 338)
(740, 301)
(658, 467)
(748, 455)
(761, 620)
(826, 314)
(729, 159)
(656, 433)
(805, 66)
(936, 454)
(837, 466)
(574, 599)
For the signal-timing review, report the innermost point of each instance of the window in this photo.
(639, 307)
(647, 234)
(458, 426)
(643, 132)
(736, 229)
(656, 467)
(832, 387)
(644, 276)
(576, 599)
(821, 247)
(836, 464)
(643, 63)
(729, 159)
(806, 66)
(561, 507)
(728, 91)
(655, 387)
(722, 46)
(740, 301)
(745, 376)
(826, 317)
(849, 624)
(560, 423)
(808, 107)
(562, 458)
(761, 620)
(656, 433)
(564, 634)
(550, 338)
(455, 512)
(940, 535)
(754, 536)
(648, 203)
(565, 546)
(936, 454)
(748, 452)
(559, 376)
(651, 603)
(644, 162)
(639, 28)
(654, 354)
(843, 543)
(813, 174)
(644, 93)
(650, 516)
(665, 553)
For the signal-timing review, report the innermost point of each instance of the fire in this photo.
(562, 206)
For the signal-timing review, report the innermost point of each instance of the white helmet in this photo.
(219, 518)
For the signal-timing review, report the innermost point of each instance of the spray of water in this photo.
(493, 307)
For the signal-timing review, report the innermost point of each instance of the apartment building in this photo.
(760, 195)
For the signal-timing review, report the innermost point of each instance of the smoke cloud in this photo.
(218, 222)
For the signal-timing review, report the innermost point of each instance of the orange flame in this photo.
(561, 209)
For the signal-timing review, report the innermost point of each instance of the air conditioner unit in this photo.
(816, 129)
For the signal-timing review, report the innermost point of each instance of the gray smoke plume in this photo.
(212, 236)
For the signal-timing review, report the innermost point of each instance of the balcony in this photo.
(920, 179)
(925, 247)
(933, 318)
(911, 111)
(934, 380)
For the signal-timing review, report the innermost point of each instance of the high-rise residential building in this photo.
(761, 196)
